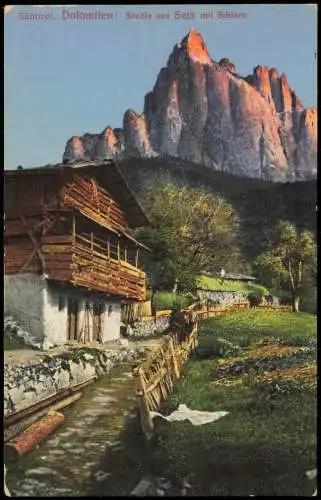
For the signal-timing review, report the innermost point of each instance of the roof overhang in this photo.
(108, 176)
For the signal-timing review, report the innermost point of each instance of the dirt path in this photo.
(67, 463)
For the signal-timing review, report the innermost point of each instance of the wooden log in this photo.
(146, 420)
(43, 403)
(57, 248)
(17, 428)
(57, 239)
(81, 385)
(66, 402)
(174, 360)
(34, 434)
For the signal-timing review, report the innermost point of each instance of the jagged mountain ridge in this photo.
(204, 112)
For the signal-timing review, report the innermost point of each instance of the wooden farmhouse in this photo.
(70, 256)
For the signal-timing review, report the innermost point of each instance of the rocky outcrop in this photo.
(203, 111)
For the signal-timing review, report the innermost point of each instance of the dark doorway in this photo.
(73, 311)
(98, 311)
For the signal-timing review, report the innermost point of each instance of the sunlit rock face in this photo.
(205, 112)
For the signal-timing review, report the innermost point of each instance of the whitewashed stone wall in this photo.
(25, 385)
(56, 322)
(33, 303)
(23, 301)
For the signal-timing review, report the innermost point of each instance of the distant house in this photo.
(239, 277)
(70, 256)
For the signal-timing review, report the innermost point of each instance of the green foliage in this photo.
(256, 325)
(169, 300)
(219, 285)
(289, 260)
(213, 347)
(267, 441)
(189, 232)
(254, 299)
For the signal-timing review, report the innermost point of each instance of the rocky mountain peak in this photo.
(195, 47)
(205, 112)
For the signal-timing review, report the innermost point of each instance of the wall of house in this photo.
(24, 300)
(56, 321)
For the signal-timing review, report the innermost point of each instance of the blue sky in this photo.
(65, 77)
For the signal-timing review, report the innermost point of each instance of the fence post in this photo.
(145, 418)
(172, 351)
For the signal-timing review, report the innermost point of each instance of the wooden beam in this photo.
(73, 226)
(118, 250)
(34, 241)
(137, 255)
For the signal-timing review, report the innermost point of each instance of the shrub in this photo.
(258, 289)
(170, 300)
(254, 299)
(212, 347)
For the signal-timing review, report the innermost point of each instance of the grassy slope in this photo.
(229, 285)
(268, 440)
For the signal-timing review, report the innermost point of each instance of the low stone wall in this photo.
(25, 385)
(229, 297)
(150, 328)
(223, 297)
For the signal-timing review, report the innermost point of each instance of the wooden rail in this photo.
(154, 377)
(219, 310)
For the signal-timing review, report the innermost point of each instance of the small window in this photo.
(61, 303)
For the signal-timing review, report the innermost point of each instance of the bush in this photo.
(170, 300)
(258, 289)
(285, 301)
(212, 347)
(254, 299)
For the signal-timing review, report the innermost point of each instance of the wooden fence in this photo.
(154, 377)
(215, 311)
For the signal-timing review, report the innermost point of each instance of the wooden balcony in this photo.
(81, 260)
(106, 269)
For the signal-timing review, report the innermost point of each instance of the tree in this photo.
(191, 231)
(290, 260)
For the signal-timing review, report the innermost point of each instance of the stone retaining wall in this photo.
(228, 297)
(223, 297)
(25, 385)
(150, 328)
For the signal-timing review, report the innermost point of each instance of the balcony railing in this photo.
(106, 267)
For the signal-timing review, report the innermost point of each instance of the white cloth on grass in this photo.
(311, 473)
(6, 491)
(196, 417)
